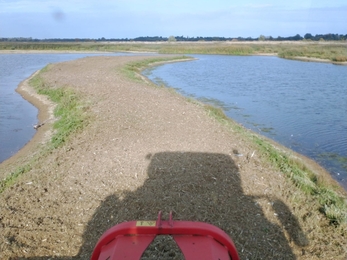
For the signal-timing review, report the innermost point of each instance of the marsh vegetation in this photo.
(334, 51)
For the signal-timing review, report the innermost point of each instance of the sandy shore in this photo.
(149, 149)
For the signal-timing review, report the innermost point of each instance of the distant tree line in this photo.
(297, 37)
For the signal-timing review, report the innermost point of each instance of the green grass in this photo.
(10, 180)
(331, 203)
(133, 69)
(70, 110)
(216, 113)
(336, 53)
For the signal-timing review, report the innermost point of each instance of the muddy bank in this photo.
(149, 149)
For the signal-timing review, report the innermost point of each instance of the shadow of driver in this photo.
(197, 187)
(202, 187)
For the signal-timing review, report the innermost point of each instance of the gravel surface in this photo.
(149, 149)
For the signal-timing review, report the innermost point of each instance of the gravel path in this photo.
(148, 149)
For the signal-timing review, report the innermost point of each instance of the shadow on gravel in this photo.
(199, 187)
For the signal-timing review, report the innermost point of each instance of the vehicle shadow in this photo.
(199, 187)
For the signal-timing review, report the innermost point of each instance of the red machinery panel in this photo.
(197, 240)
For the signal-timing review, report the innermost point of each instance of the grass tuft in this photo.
(215, 112)
(10, 179)
(132, 70)
(332, 205)
(70, 110)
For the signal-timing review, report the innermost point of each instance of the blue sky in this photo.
(132, 18)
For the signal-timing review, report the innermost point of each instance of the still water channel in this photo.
(302, 105)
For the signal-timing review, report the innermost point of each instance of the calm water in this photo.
(302, 105)
(17, 116)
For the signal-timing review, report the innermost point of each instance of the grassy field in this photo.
(332, 51)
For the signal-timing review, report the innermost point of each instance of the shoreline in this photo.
(45, 113)
(308, 59)
(304, 59)
(313, 165)
(149, 148)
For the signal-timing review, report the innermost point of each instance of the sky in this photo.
(44, 19)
